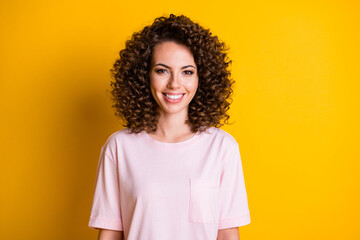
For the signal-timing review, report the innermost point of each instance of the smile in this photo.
(173, 98)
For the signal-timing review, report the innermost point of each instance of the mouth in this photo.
(173, 98)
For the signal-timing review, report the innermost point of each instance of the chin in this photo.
(173, 110)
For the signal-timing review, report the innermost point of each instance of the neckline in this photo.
(171, 145)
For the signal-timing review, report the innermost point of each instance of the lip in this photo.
(173, 100)
(169, 93)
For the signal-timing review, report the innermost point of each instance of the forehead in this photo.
(172, 52)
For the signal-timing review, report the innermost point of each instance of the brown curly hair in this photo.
(131, 95)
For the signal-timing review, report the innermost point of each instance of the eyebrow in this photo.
(161, 64)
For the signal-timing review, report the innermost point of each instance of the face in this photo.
(173, 77)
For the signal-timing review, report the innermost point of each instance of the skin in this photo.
(173, 70)
(105, 234)
(228, 234)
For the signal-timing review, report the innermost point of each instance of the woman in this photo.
(172, 173)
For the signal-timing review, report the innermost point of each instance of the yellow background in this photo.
(295, 111)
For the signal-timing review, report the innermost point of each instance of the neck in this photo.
(172, 126)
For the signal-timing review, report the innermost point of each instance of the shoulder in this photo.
(118, 140)
(225, 137)
(118, 135)
(229, 148)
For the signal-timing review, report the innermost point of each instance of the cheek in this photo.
(193, 85)
(154, 83)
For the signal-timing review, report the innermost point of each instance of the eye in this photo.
(160, 70)
(188, 72)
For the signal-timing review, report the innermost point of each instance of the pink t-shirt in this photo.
(155, 190)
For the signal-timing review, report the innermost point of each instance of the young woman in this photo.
(171, 173)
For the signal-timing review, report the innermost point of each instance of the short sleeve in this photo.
(105, 211)
(234, 211)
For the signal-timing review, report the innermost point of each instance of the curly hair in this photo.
(130, 85)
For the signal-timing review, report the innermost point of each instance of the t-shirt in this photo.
(153, 190)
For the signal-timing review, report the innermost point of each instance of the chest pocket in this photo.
(203, 200)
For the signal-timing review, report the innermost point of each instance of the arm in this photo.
(105, 234)
(228, 234)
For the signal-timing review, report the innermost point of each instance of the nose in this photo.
(174, 81)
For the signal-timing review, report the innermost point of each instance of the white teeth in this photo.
(173, 96)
